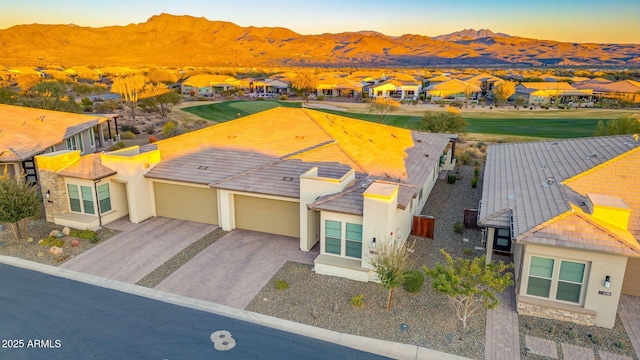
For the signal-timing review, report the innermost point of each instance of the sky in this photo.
(596, 21)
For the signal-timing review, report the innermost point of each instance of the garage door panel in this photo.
(631, 284)
(186, 202)
(267, 215)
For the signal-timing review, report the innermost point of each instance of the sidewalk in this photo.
(381, 347)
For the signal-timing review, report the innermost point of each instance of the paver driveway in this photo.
(139, 249)
(234, 269)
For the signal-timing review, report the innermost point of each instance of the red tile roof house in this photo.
(26, 132)
(568, 212)
(296, 172)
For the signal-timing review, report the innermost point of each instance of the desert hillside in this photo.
(185, 40)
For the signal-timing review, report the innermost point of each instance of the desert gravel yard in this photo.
(324, 301)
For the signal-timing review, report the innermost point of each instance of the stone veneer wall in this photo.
(546, 312)
(57, 202)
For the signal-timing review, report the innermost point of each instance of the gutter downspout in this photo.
(95, 189)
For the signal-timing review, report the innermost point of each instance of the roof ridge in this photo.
(588, 218)
(362, 168)
(344, 192)
(597, 167)
(496, 214)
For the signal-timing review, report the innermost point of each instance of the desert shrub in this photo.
(90, 235)
(357, 300)
(283, 97)
(594, 339)
(149, 129)
(131, 128)
(476, 171)
(52, 241)
(127, 135)
(474, 182)
(281, 284)
(117, 146)
(467, 251)
(457, 104)
(60, 257)
(451, 179)
(413, 280)
(260, 99)
(320, 98)
(168, 128)
(458, 227)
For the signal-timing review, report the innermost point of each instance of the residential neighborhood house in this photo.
(554, 93)
(568, 211)
(207, 85)
(343, 183)
(26, 132)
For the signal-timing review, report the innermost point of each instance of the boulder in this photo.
(58, 234)
(66, 231)
(53, 232)
(55, 250)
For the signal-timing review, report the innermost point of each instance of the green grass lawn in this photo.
(229, 110)
(557, 125)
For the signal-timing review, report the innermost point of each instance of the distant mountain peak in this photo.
(470, 34)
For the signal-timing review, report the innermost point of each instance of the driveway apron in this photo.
(235, 268)
(140, 249)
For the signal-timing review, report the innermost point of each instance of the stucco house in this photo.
(568, 212)
(396, 89)
(452, 90)
(545, 93)
(340, 182)
(207, 85)
(26, 132)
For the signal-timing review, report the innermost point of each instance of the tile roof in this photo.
(87, 167)
(529, 184)
(547, 85)
(255, 153)
(28, 131)
(207, 79)
(452, 85)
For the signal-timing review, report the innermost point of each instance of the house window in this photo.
(333, 237)
(82, 200)
(75, 143)
(561, 280)
(104, 198)
(92, 138)
(354, 240)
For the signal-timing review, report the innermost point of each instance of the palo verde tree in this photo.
(382, 107)
(623, 125)
(470, 285)
(129, 87)
(304, 83)
(449, 121)
(390, 263)
(19, 201)
(503, 91)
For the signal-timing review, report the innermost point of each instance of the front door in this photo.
(502, 240)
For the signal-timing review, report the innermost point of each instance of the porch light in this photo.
(607, 281)
(373, 243)
(48, 194)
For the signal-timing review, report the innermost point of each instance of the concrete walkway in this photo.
(235, 268)
(503, 329)
(629, 312)
(139, 249)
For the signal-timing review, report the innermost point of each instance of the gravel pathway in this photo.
(430, 322)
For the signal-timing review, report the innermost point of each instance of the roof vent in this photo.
(300, 137)
(231, 137)
(554, 143)
(550, 181)
(287, 178)
(203, 167)
(426, 155)
(419, 140)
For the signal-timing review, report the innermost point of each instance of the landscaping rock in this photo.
(55, 250)
(58, 234)
(53, 232)
(66, 231)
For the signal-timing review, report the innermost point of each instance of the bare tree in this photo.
(382, 107)
(305, 82)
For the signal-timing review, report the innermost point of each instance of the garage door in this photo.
(267, 215)
(631, 284)
(186, 203)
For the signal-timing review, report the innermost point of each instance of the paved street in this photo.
(47, 317)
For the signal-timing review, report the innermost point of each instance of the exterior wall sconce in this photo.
(607, 281)
(48, 194)
(373, 244)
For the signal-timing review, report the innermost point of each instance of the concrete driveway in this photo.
(139, 249)
(235, 268)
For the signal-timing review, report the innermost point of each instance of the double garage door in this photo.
(251, 213)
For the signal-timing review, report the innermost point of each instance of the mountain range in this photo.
(191, 41)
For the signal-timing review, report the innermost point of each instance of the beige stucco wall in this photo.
(599, 266)
(131, 166)
(117, 193)
(379, 218)
(311, 187)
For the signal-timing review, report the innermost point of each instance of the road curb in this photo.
(380, 347)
